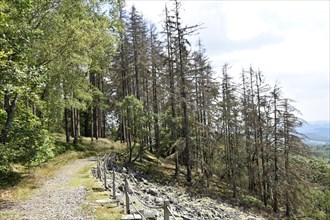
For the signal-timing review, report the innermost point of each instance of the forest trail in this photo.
(56, 198)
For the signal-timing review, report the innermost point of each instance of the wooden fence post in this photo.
(105, 174)
(166, 211)
(127, 196)
(98, 170)
(114, 184)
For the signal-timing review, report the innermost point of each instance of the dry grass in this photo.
(101, 146)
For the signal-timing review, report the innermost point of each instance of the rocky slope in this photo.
(148, 198)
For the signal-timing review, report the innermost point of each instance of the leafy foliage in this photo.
(28, 142)
(135, 117)
(47, 51)
(319, 203)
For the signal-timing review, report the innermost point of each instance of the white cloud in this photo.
(243, 20)
(152, 10)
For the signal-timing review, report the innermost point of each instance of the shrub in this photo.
(250, 201)
(28, 142)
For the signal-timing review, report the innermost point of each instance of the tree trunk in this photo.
(104, 125)
(286, 163)
(172, 86)
(92, 123)
(275, 202)
(154, 93)
(67, 129)
(260, 139)
(86, 124)
(185, 125)
(96, 124)
(76, 125)
(73, 129)
(10, 110)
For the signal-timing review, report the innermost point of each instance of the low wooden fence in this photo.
(103, 173)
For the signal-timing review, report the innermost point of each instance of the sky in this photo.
(287, 40)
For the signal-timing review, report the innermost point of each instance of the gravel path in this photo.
(56, 198)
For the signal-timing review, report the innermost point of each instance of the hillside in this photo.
(75, 74)
(317, 132)
(317, 137)
(150, 185)
(69, 191)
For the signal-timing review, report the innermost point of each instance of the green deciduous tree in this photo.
(48, 48)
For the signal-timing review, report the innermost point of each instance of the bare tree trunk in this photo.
(154, 91)
(286, 155)
(260, 139)
(276, 179)
(185, 124)
(172, 86)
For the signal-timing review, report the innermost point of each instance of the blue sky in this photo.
(287, 40)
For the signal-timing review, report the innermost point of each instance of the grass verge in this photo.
(21, 183)
(30, 179)
(95, 192)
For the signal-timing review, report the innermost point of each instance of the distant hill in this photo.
(317, 137)
(317, 132)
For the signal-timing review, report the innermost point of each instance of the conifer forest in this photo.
(93, 69)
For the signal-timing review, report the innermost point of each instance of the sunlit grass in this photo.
(101, 146)
(105, 213)
(7, 215)
(83, 178)
(32, 177)
(29, 179)
(95, 192)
